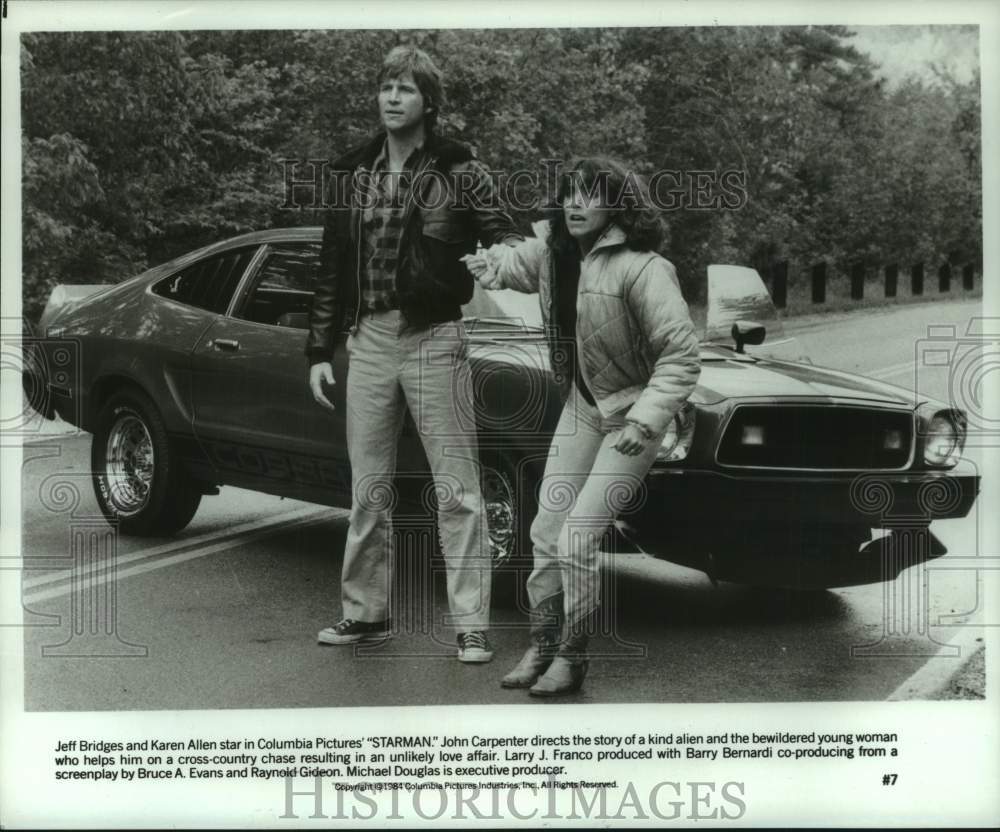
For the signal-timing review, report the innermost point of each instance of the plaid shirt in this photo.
(381, 230)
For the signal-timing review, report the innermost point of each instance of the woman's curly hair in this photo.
(621, 190)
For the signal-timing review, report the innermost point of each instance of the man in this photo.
(406, 206)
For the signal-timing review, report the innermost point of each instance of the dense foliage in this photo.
(139, 146)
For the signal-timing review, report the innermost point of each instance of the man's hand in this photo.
(479, 266)
(320, 374)
(632, 441)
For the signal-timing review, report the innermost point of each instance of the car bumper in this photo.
(875, 499)
(37, 394)
(799, 531)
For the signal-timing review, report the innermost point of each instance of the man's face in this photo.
(400, 104)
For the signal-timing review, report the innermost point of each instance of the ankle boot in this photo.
(534, 662)
(563, 676)
(569, 667)
(546, 626)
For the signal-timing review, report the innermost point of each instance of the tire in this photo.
(510, 509)
(137, 478)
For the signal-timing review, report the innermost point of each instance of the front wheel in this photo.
(510, 509)
(137, 478)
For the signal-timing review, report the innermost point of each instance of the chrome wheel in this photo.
(501, 516)
(129, 461)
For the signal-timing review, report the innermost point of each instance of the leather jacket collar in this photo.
(445, 152)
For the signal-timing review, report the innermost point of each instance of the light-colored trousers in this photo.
(428, 370)
(586, 485)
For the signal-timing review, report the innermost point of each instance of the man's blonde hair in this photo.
(403, 59)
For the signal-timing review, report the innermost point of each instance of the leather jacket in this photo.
(454, 208)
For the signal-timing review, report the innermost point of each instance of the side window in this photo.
(282, 290)
(208, 284)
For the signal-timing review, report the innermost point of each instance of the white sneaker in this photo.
(349, 631)
(474, 647)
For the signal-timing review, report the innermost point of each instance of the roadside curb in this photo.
(937, 672)
(811, 320)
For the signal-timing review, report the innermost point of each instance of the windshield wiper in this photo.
(507, 323)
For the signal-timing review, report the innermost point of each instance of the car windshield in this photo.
(737, 294)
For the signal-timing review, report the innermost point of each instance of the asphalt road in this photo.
(225, 614)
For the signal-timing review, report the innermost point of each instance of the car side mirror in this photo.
(748, 332)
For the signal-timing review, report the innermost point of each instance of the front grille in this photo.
(828, 437)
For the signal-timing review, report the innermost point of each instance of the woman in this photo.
(625, 355)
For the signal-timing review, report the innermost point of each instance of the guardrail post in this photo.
(857, 281)
(944, 277)
(917, 279)
(819, 283)
(968, 276)
(779, 283)
(891, 280)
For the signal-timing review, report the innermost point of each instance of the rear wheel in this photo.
(137, 478)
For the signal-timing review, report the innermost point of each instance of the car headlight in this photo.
(944, 438)
(679, 436)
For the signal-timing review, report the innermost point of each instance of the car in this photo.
(776, 473)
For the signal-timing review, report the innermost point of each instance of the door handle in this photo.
(226, 344)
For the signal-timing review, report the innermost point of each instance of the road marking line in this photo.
(932, 677)
(233, 533)
(119, 574)
(61, 430)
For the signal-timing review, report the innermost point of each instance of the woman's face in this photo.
(585, 214)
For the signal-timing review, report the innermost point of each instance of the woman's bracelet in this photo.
(646, 432)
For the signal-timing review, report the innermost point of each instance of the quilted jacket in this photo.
(635, 340)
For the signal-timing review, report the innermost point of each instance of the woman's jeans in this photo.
(586, 485)
(427, 370)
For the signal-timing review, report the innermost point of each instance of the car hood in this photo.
(725, 375)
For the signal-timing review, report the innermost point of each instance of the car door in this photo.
(253, 411)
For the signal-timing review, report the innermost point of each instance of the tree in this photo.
(139, 146)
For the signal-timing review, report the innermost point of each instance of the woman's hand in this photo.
(632, 441)
(480, 268)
